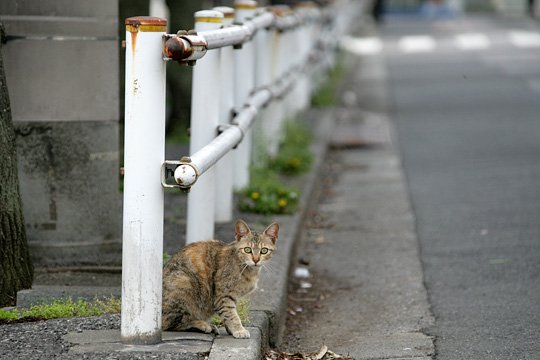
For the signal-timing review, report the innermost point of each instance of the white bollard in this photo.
(281, 61)
(244, 84)
(274, 112)
(290, 60)
(305, 46)
(225, 167)
(263, 77)
(296, 49)
(144, 148)
(205, 106)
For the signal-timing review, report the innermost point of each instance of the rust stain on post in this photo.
(133, 42)
(144, 24)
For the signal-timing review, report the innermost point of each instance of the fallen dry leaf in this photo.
(322, 354)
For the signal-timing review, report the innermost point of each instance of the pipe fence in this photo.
(252, 64)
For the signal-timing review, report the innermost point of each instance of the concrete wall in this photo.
(61, 64)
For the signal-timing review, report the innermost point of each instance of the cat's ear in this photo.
(241, 228)
(272, 232)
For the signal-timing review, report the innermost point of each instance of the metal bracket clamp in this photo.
(185, 174)
(185, 47)
(222, 127)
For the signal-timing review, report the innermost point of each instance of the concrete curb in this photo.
(269, 301)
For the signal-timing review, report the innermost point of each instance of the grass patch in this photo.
(326, 95)
(243, 312)
(266, 194)
(294, 154)
(62, 308)
(66, 308)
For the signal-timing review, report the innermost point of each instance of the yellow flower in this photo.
(294, 162)
(255, 195)
(282, 202)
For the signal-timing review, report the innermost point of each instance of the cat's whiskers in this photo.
(267, 268)
(274, 266)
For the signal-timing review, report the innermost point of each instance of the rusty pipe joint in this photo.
(185, 48)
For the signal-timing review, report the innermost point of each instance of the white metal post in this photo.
(225, 167)
(274, 112)
(142, 254)
(304, 48)
(289, 57)
(205, 106)
(244, 84)
(296, 49)
(159, 8)
(281, 68)
(263, 77)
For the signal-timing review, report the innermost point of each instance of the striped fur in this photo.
(209, 277)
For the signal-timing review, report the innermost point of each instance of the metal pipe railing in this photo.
(225, 167)
(275, 51)
(244, 80)
(205, 113)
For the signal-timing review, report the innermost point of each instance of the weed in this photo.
(243, 312)
(166, 258)
(266, 194)
(294, 154)
(326, 95)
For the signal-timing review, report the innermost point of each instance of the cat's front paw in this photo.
(241, 334)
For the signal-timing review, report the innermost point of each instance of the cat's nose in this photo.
(256, 259)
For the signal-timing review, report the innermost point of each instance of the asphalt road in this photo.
(466, 98)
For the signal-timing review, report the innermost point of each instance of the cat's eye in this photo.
(264, 251)
(247, 250)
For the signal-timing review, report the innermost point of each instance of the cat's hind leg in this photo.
(200, 325)
(171, 321)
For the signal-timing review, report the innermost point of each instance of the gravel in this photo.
(43, 340)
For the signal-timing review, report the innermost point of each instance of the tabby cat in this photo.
(209, 277)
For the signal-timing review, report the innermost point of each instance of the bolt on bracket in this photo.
(184, 173)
